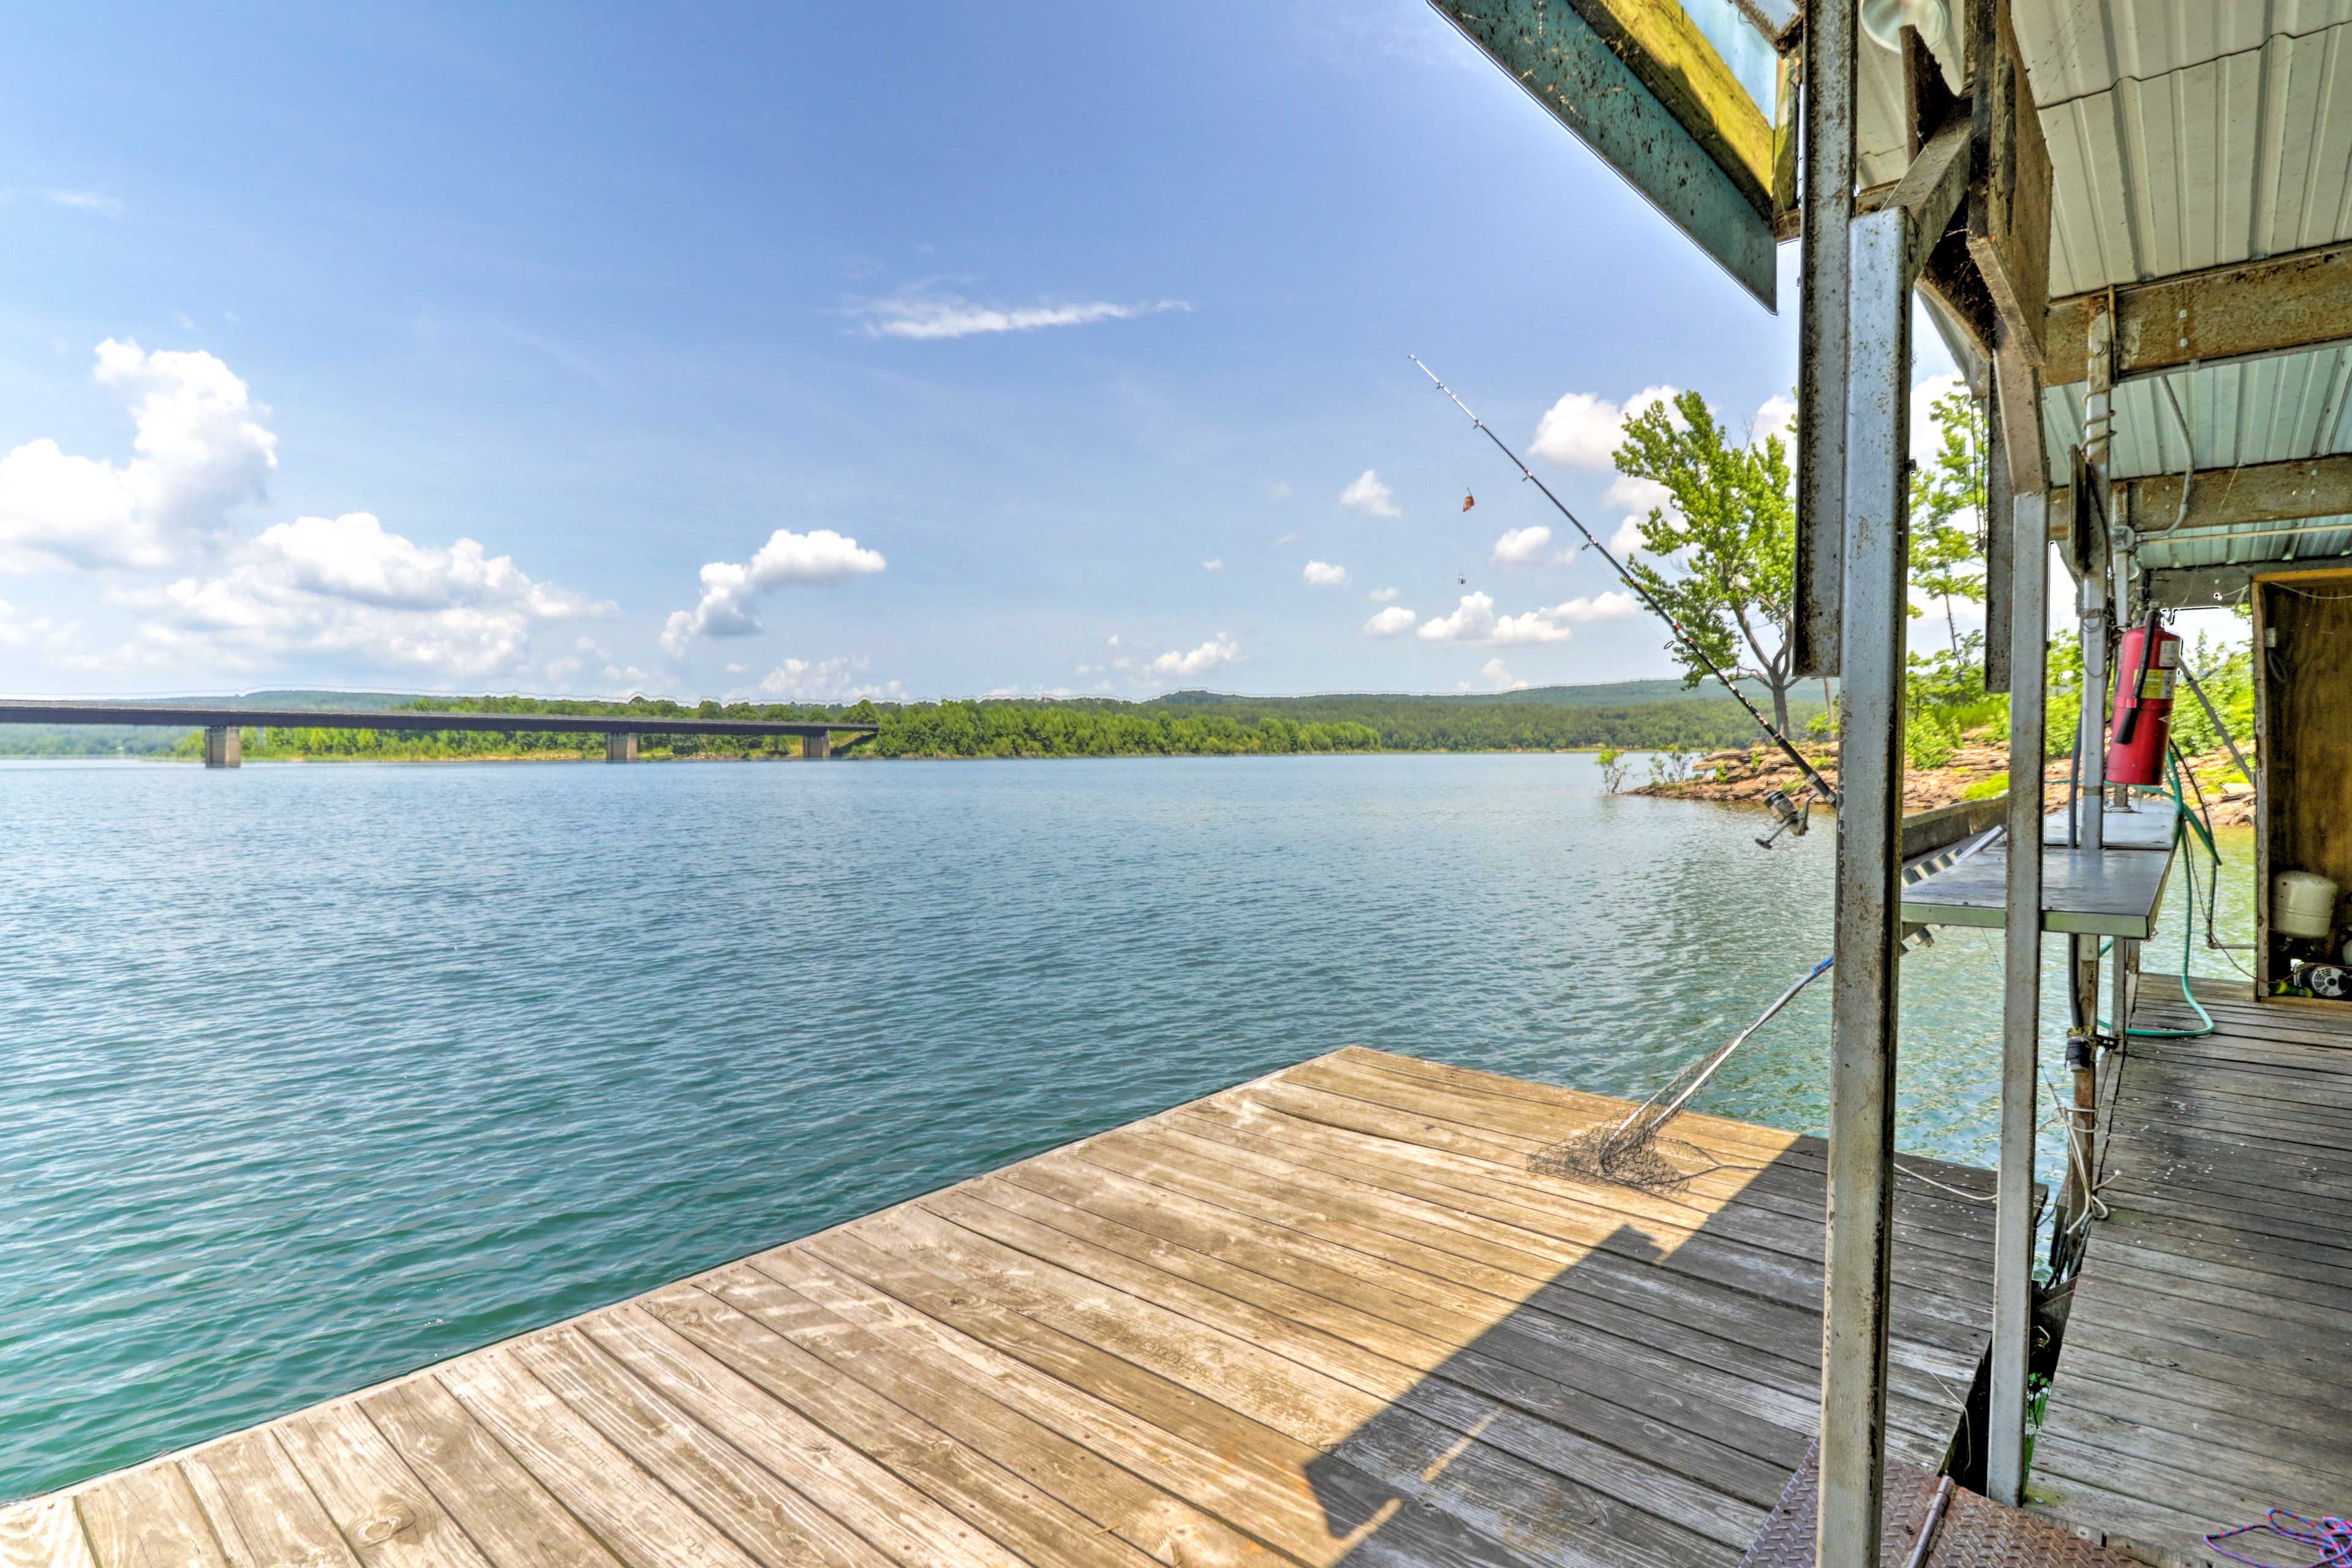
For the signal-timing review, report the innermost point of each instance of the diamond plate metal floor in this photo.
(1975, 1531)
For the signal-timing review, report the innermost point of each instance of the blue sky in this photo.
(802, 352)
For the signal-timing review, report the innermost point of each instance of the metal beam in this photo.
(2249, 310)
(2001, 519)
(1588, 63)
(2027, 568)
(2008, 208)
(1828, 202)
(1886, 250)
(2194, 587)
(2230, 498)
(1682, 69)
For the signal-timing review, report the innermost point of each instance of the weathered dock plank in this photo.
(1332, 1314)
(2207, 1358)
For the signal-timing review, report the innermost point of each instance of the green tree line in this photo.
(1081, 727)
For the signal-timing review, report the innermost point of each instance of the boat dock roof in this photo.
(1329, 1313)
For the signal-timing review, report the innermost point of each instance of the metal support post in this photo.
(2091, 818)
(2028, 570)
(1887, 248)
(1821, 336)
(2091, 805)
(1869, 901)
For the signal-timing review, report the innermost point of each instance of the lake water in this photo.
(319, 1073)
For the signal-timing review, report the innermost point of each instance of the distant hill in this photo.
(1613, 694)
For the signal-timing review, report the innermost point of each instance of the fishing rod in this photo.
(1820, 785)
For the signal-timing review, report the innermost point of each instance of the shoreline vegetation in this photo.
(1648, 716)
(1976, 770)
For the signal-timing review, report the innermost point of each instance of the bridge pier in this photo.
(621, 747)
(817, 748)
(222, 746)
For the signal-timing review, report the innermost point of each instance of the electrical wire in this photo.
(2188, 456)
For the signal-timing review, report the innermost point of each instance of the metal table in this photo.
(2100, 892)
(2148, 826)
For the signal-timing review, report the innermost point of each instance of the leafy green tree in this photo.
(1947, 509)
(1729, 535)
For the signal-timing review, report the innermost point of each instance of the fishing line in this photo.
(1820, 785)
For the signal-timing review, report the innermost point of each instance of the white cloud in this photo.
(1474, 620)
(79, 201)
(345, 587)
(1288, 539)
(841, 678)
(1279, 490)
(934, 317)
(1323, 574)
(1638, 496)
(1114, 640)
(1213, 563)
(200, 450)
(1218, 651)
(1382, 595)
(44, 631)
(1553, 625)
(730, 590)
(1500, 678)
(1778, 417)
(1392, 622)
(1582, 431)
(1521, 546)
(1367, 497)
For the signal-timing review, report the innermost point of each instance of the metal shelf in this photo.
(2102, 892)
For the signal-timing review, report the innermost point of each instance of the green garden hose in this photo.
(2181, 813)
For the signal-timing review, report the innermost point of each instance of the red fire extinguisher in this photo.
(2145, 667)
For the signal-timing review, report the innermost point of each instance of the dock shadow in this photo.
(1646, 1402)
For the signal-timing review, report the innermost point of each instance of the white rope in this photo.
(2094, 1207)
(1956, 1191)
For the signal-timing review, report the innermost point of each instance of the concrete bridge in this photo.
(222, 725)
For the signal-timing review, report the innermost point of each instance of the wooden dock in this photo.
(2207, 1367)
(1329, 1314)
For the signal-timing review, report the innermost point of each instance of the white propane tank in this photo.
(2303, 904)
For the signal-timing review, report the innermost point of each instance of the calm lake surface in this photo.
(319, 1073)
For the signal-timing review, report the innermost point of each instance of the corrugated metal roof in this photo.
(2243, 156)
(2318, 539)
(2183, 133)
(2256, 411)
(2260, 411)
(2265, 411)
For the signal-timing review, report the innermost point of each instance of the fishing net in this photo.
(1634, 1151)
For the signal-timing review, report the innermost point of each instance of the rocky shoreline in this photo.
(1977, 769)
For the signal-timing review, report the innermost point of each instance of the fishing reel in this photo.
(1795, 815)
